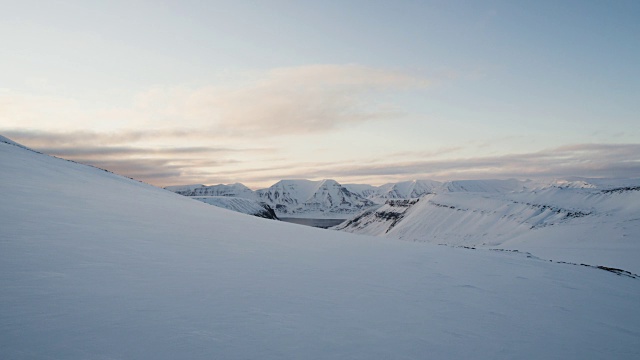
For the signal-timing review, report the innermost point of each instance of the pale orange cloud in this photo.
(295, 100)
(312, 99)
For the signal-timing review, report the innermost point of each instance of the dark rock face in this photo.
(621, 189)
(268, 213)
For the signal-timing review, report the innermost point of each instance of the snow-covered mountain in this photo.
(305, 198)
(400, 190)
(484, 186)
(315, 199)
(572, 220)
(95, 265)
(233, 190)
(291, 198)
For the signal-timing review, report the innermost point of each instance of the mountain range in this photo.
(314, 199)
(570, 219)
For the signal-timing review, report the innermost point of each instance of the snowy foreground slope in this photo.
(97, 266)
(595, 222)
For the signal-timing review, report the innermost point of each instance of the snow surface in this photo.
(580, 221)
(97, 266)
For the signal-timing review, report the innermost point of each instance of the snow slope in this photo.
(241, 205)
(593, 222)
(94, 265)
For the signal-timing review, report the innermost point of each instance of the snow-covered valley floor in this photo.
(97, 266)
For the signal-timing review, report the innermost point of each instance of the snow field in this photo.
(93, 265)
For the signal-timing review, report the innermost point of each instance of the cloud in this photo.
(98, 152)
(312, 99)
(92, 144)
(585, 160)
(161, 172)
(282, 101)
(589, 160)
(38, 138)
(148, 170)
(128, 153)
(176, 134)
(165, 165)
(295, 100)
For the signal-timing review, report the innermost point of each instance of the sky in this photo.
(209, 92)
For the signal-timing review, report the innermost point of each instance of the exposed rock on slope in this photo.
(305, 198)
(316, 199)
(241, 205)
(291, 198)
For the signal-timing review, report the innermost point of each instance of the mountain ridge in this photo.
(560, 219)
(328, 198)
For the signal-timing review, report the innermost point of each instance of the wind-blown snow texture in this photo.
(94, 265)
(593, 221)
